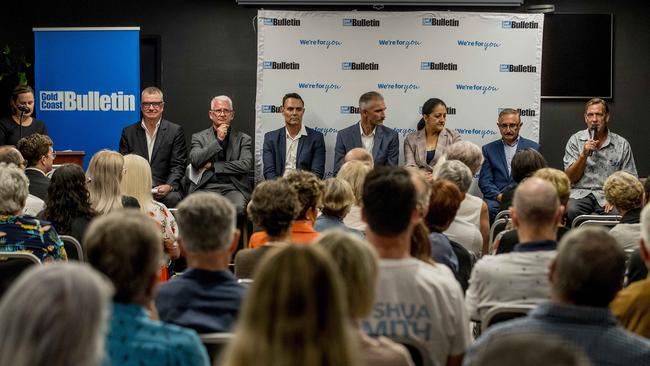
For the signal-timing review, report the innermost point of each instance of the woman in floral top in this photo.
(20, 233)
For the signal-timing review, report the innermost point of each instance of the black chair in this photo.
(12, 264)
(505, 214)
(605, 224)
(215, 343)
(417, 350)
(72, 248)
(582, 218)
(502, 313)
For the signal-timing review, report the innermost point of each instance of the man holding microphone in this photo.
(592, 155)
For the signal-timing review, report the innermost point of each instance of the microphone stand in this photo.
(20, 123)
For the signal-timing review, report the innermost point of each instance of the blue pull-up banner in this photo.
(87, 85)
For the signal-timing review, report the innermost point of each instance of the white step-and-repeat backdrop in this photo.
(478, 63)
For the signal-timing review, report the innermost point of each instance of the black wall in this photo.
(208, 47)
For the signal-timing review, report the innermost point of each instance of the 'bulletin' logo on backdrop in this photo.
(349, 22)
(511, 24)
(349, 109)
(517, 68)
(359, 66)
(438, 66)
(523, 112)
(440, 22)
(268, 108)
(91, 101)
(273, 65)
(282, 22)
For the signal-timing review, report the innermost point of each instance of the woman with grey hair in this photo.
(473, 208)
(461, 230)
(55, 315)
(338, 199)
(625, 192)
(24, 233)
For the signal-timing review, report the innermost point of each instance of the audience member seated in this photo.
(273, 207)
(529, 350)
(294, 314)
(310, 193)
(562, 185)
(104, 175)
(473, 208)
(136, 182)
(22, 233)
(68, 206)
(445, 200)
(420, 243)
(125, 246)
(354, 172)
(34, 206)
(358, 263)
(206, 297)
(625, 192)
(636, 269)
(631, 304)
(55, 315)
(39, 155)
(524, 164)
(585, 277)
(521, 276)
(338, 198)
(408, 286)
(461, 231)
(359, 154)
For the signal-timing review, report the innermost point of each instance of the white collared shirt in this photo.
(291, 152)
(510, 151)
(368, 141)
(151, 140)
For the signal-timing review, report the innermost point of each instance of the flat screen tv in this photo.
(577, 56)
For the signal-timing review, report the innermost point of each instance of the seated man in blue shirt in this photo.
(126, 246)
(585, 276)
(206, 297)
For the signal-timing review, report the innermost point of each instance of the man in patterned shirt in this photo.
(590, 158)
(585, 276)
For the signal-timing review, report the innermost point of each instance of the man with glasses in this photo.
(294, 146)
(592, 155)
(37, 151)
(495, 175)
(161, 142)
(221, 159)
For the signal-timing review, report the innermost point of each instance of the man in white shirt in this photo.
(415, 300)
(294, 146)
(522, 275)
(369, 133)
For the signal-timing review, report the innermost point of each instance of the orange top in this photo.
(302, 232)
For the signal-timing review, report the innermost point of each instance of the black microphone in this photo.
(592, 135)
(23, 108)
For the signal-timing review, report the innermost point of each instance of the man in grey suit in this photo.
(220, 158)
(369, 133)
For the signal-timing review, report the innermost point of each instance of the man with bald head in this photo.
(520, 276)
(359, 154)
(11, 155)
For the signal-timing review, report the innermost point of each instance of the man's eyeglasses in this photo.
(509, 127)
(155, 105)
(221, 111)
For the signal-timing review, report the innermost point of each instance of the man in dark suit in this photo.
(369, 133)
(221, 159)
(495, 174)
(37, 150)
(294, 146)
(162, 143)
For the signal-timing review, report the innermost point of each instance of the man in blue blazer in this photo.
(294, 146)
(369, 133)
(495, 172)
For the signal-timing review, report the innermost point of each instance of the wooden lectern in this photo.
(66, 157)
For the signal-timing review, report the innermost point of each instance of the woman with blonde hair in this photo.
(354, 172)
(294, 313)
(358, 264)
(104, 175)
(625, 192)
(137, 182)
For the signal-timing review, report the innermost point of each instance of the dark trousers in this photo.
(584, 206)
